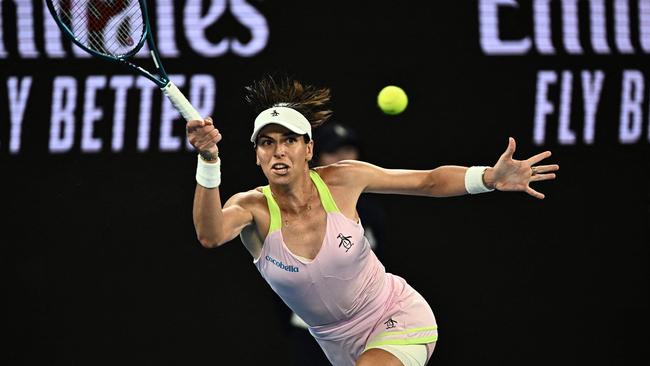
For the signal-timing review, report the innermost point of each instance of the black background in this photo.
(104, 267)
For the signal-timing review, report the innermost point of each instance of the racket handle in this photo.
(180, 102)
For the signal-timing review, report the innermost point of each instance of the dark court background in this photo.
(102, 265)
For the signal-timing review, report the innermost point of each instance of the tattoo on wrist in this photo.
(209, 156)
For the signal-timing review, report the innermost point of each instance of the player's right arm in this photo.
(215, 225)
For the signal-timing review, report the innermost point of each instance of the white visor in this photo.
(283, 116)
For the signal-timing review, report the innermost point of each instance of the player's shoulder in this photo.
(248, 198)
(343, 167)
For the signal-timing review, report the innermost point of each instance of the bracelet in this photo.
(474, 180)
(208, 175)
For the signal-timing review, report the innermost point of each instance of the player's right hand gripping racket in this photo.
(115, 30)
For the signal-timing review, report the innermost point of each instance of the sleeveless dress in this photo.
(344, 294)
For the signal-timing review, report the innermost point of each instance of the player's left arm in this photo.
(507, 174)
(443, 181)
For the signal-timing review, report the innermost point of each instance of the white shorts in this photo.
(409, 354)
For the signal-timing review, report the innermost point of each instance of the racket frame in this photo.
(162, 80)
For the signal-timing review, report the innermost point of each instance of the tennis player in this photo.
(304, 234)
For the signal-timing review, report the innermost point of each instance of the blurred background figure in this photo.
(334, 142)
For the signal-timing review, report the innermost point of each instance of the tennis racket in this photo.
(115, 30)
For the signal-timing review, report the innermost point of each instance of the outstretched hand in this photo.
(509, 174)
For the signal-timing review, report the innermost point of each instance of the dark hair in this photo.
(272, 91)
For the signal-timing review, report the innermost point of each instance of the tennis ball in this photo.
(392, 100)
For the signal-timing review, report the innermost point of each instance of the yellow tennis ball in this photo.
(392, 100)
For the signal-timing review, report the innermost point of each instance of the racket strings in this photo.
(110, 27)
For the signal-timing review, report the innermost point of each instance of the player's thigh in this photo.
(378, 357)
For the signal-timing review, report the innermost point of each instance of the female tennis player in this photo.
(304, 233)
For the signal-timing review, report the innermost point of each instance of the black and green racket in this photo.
(115, 30)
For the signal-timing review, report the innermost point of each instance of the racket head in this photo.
(109, 29)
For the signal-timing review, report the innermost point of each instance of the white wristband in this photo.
(208, 175)
(474, 180)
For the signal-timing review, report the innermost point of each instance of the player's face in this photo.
(282, 154)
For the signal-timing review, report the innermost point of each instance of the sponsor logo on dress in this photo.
(288, 268)
(390, 323)
(345, 242)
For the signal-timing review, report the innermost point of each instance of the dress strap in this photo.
(274, 210)
(324, 193)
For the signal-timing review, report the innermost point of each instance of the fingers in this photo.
(215, 136)
(539, 157)
(193, 125)
(541, 177)
(207, 145)
(510, 150)
(541, 174)
(546, 168)
(534, 193)
(207, 141)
